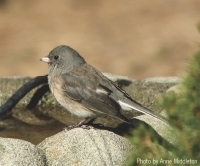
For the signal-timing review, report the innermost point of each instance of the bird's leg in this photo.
(89, 124)
(80, 124)
(90, 121)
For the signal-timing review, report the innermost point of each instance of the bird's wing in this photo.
(98, 93)
(127, 103)
(85, 88)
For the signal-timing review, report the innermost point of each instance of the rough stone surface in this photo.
(86, 148)
(15, 152)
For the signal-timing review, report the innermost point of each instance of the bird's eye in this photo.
(56, 57)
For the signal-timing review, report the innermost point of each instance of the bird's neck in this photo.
(55, 70)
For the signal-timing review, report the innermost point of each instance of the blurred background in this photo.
(138, 39)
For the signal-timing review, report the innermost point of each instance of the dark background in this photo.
(135, 38)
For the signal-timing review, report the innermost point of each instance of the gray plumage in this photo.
(83, 90)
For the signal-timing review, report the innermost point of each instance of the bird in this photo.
(84, 91)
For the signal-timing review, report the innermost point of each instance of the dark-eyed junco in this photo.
(84, 91)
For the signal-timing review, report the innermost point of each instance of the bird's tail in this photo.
(126, 103)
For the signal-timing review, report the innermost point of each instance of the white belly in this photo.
(70, 105)
(74, 107)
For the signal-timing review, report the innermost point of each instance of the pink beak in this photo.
(45, 59)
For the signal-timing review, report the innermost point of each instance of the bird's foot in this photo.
(81, 125)
(87, 127)
(69, 127)
(75, 126)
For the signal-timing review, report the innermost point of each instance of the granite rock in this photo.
(15, 152)
(86, 148)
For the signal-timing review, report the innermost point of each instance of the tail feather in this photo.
(126, 103)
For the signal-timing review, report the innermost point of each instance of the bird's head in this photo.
(63, 59)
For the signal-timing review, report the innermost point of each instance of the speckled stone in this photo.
(86, 148)
(15, 152)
